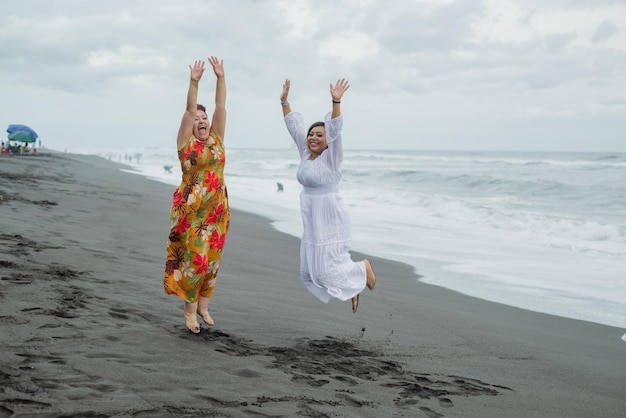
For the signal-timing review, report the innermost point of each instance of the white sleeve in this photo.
(297, 130)
(333, 139)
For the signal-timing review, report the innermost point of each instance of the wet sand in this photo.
(86, 329)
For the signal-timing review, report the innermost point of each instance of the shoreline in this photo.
(536, 275)
(87, 329)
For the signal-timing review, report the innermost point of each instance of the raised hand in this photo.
(339, 89)
(197, 70)
(218, 66)
(285, 93)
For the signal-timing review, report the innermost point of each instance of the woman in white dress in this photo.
(326, 268)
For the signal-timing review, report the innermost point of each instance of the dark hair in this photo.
(313, 126)
(200, 107)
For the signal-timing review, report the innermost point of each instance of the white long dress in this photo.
(326, 268)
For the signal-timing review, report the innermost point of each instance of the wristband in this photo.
(284, 103)
(336, 101)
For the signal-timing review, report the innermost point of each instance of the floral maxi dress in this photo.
(199, 221)
(326, 268)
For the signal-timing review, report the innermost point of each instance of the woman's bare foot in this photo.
(371, 278)
(355, 303)
(191, 320)
(206, 318)
(203, 310)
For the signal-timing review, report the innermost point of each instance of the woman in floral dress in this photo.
(326, 268)
(200, 213)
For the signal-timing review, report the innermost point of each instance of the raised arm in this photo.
(186, 124)
(334, 124)
(284, 98)
(336, 93)
(293, 120)
(219, 114)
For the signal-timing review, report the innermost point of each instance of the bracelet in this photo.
(336, 101)
(195, 79)
(284, 103)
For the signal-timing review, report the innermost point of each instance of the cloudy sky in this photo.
(545, 75)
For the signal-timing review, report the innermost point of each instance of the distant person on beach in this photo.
(200, 213)
(326, 268)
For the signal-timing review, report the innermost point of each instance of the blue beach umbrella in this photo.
(21, 133)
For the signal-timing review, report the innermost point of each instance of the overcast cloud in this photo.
(425, 74)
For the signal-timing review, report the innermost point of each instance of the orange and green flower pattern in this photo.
(199, 221)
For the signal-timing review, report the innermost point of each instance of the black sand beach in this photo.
(86, 329)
